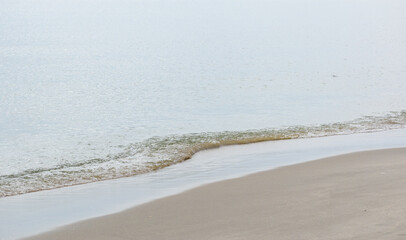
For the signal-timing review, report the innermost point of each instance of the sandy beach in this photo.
(353, 196)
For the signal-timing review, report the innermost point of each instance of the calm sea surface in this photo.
(101, 89)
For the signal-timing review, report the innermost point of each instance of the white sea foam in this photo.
(159, 152)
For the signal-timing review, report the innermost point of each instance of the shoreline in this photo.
(351, 195)
(45, 211)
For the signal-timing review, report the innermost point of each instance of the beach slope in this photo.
(353, 196)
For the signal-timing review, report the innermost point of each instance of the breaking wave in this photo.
(159, 152)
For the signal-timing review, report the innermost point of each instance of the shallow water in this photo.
(91, 90)
(32, 213)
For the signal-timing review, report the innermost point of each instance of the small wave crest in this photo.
(159, 152)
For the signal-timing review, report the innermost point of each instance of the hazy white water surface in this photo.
(91, 89)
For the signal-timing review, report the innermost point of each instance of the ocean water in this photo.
(100, 89)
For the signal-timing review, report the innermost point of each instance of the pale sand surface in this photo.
(353, 196)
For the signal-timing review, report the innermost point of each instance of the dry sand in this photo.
(354, 196)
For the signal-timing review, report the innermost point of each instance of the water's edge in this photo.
(59, 207)
(160, 152)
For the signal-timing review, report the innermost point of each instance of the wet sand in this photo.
(353, 196)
